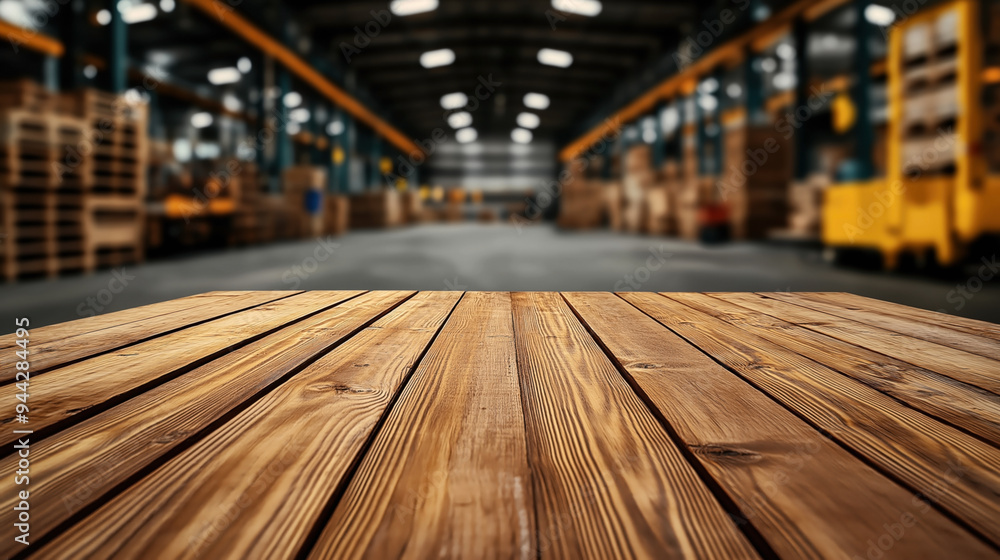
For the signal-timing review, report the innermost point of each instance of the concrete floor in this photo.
(489, 257)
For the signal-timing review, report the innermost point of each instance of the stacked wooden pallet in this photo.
(930, 107)
(376, 209)
(692, 190)
(336, 214)
(754, 186)
(42, 197)
(582, 205)
(413, 206)
(43, 182)
(118, 149)
(805, 202)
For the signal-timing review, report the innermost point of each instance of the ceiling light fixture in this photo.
(582, 7)
(521, 135)
(410, 7)
(222, 76)
(460, 119)
(455, 100)
(466, 135)
(538, 101)
(435, 59)
(553, 57)
(528, 120)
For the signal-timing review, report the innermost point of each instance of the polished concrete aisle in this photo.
(490, 257)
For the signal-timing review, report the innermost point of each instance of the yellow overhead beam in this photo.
(226, 16)
(734, 49)
(30, 39)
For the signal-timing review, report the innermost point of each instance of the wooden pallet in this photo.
(113, 231)
(513, 425)
(27, 94)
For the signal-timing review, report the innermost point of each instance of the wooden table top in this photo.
(509, 425)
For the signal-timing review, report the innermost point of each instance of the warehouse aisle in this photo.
(486, 257)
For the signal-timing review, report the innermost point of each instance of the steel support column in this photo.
(864, 130)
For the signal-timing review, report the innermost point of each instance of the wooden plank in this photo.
(77, 391)
(609, 482)
(964, 406)
(909, 446)
(835, 305)
(776, 467)
(956, 364)
(256, 486)
(449, 469)
(53, 346)
(953, 322)
(75, 469)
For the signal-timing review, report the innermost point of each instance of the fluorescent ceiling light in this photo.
(292, 99)
(784, 81)
(708, 103)
(670, 119)
(201, 120)
(207, 150)
(649, 135)
(768, 65)
(335, 128)
(136, 13)
(16, 12)
(244, 65)
(466, 135)
(440, 57)
(553, 57)
(410, 7)
(538, 101)
(229, 101)
(528, 120)
(90, 71)
(879, 15)
(168, 5)
(708, 86)
(521, 135)
(734, 90)
(786, 51)
(455, 100)
(182, 150)
(104, 17)
(300, 115)
(293, 128)
(460, 119)
(582, 7)
(221, 76)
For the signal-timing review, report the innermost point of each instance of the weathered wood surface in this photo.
(509, 425)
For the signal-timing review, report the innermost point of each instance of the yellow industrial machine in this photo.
(936, 198)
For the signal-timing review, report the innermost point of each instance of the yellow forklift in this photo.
(937, 198)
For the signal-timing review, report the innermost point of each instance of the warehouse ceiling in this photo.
(493, 42)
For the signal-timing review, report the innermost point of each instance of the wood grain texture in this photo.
(915, 449)
(76, 468)
(807, 496)
(608, 480)
(923, 316)
(836, 305)
(53, 346)
(959, 365)
(63, 395)
(962, 405)
(447, 476)
(256, 486)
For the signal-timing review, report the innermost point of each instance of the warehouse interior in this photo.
(154, 149)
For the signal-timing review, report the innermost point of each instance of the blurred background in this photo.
(152, 149)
